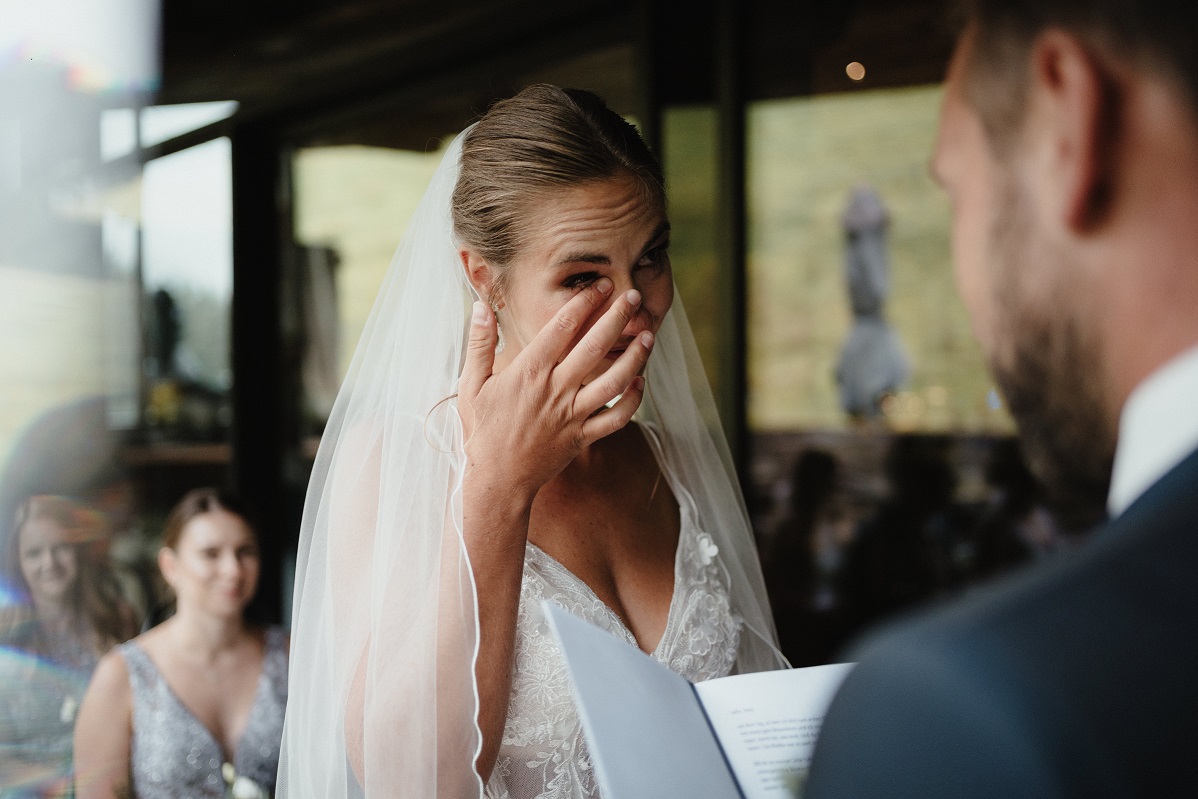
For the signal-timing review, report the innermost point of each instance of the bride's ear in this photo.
(479, 273)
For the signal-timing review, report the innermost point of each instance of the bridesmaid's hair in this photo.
(197, 502)
(544, 139)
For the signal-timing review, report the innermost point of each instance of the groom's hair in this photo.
(544, 139)
(1156, 35)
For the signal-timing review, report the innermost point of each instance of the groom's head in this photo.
(1069, 147)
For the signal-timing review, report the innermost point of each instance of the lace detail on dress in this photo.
(544, 754)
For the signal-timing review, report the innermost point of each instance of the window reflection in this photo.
(187, 280)
(806, 156)
(162, 122)
(123, 131)
(690, 149)
(352, 204)
(873, 419)
(67, 594)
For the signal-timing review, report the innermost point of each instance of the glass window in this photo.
(355, 201)
(689, 151)
(187, 285)
(162, 122)
(883, 474)
(808, 159)
(69, 368)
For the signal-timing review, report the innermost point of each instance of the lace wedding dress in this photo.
(385, 619)
(544, 754)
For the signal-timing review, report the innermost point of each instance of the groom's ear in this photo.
(479, 273)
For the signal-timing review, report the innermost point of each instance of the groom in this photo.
(1069, 147)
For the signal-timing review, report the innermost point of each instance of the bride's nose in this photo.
(641, 320)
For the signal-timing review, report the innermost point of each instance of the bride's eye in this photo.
(655, 257)
(580, 280)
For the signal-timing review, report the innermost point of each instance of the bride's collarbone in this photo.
(634, 505)
(615, 539)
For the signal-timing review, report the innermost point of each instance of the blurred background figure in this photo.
(64, 502)
(164, 332)
(1015, 527)
(70, 451)
(72, 610)
(872, 365)
(184, 402)
(803, 562)
(910, 550)
(197, 702)
(63, 612)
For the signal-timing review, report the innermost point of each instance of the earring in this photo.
(499, 328)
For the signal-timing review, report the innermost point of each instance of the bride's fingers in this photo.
(590, 351)
(480, 351)
(617, 416)
(554, 340)
(615, 380)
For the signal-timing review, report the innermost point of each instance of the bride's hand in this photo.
(525, 424)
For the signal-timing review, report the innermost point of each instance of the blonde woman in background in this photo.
(64, 610)
(72, 611)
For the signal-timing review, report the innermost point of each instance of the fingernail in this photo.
(638, 382)
(647, 338)
(604, 285)
(479, 314)
(634, 297)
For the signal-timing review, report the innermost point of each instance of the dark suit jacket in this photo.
(1079, 680)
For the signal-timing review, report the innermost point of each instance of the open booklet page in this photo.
(767, 724)
(650, 734)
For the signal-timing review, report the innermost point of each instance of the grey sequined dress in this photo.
(175, 755)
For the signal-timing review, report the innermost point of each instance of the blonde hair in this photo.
(544, 138)
(96, 597)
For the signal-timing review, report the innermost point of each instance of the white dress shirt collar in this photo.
(1158, 428)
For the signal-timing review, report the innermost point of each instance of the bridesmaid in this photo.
(195, 705)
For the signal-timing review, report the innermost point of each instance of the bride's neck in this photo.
(601, 455)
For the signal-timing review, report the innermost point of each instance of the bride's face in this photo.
(598, 229)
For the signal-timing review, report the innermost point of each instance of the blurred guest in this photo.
(905, 554)
(1016, 526)
(74, 611)
(196, 703)
(70, 451)
(64, 611)
(803, 560)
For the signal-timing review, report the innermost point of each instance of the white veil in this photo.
(382, 697)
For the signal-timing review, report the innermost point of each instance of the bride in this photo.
(504, 437)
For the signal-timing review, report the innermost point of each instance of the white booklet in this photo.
(652, 734)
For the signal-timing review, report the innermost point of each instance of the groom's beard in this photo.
(1053, 378)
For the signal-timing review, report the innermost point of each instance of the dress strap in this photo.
(274, 658)
(143, 674)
